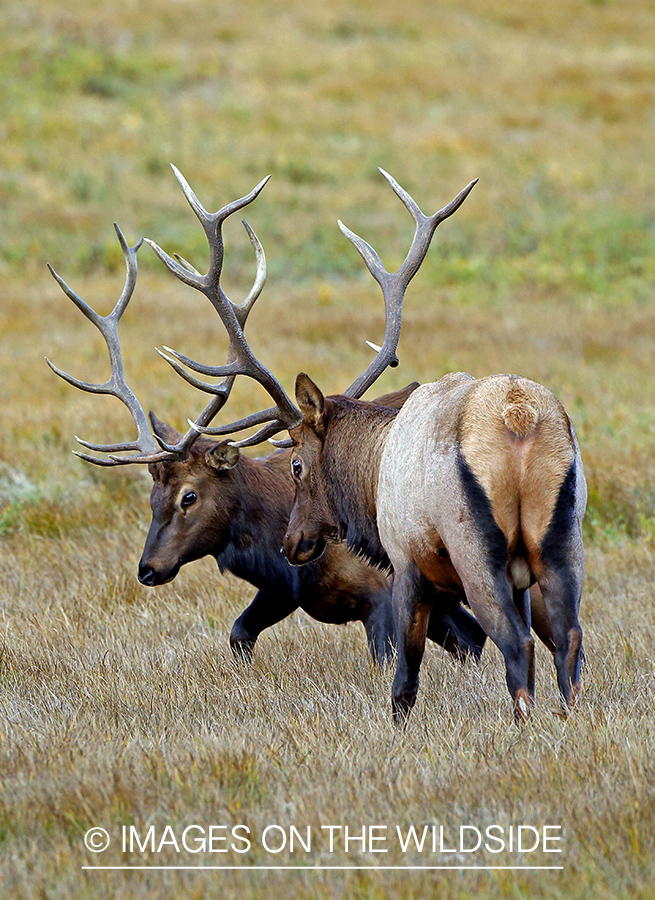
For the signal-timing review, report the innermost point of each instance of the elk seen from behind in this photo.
(474, 490)
(475, 487)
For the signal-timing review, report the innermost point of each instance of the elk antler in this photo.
(393, 285)
(145, 444)
(241, 360)
(210, 286)
(151, 448)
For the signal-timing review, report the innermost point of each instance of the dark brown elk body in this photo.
(474, 489)
(236, 509)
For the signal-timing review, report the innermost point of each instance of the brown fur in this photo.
(239, 516)
(474, 486)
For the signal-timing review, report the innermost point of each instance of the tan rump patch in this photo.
(516, 438)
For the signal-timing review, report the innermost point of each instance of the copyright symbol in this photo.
(96, 840)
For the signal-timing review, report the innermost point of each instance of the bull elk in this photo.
(206, 499)
(473, 490)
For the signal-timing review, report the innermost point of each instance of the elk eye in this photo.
(296, 468)
(189, 499)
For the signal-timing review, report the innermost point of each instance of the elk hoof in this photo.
(242, 650)
(522, 705)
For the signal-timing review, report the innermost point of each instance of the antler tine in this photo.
(243, 310)
(267, 432)
(212, 226)
(186, 264)
(258, 418)
(241, 360)
(229, 371)
(394, 285)
(130, 279)
(145, 444)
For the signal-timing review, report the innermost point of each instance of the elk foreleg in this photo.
(380, 631)
(454, 628)
(411, 616)
(265, 610)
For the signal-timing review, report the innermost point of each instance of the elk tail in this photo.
(520, 411)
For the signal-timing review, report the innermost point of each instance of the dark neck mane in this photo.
(259, 516)
(353, 446)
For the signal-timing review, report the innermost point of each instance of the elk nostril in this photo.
(299, 548)
(147, 575)
(305, 544)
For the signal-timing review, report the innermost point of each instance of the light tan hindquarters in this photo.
(516, 437)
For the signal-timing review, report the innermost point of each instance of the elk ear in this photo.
(166, 432)
(397, 399)
(222, 456)
(311, 403)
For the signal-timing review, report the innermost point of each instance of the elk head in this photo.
(312, 523)
(187, 518)
(317, 515)
(191, 512)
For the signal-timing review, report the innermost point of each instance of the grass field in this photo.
(122, 706)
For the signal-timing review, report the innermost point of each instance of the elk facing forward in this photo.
(218, 503)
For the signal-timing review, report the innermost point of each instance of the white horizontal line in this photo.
(374, 868)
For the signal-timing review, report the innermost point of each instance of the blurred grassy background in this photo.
(547, 270)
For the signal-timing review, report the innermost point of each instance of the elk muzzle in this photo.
(301, 548)
(147, 575)
(152, 577)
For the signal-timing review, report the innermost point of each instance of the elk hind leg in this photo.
(411, 615)
(559, 567)
(492, 600)
(479, 551)
(562, 591)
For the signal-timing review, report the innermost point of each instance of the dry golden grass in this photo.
(121, 705)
